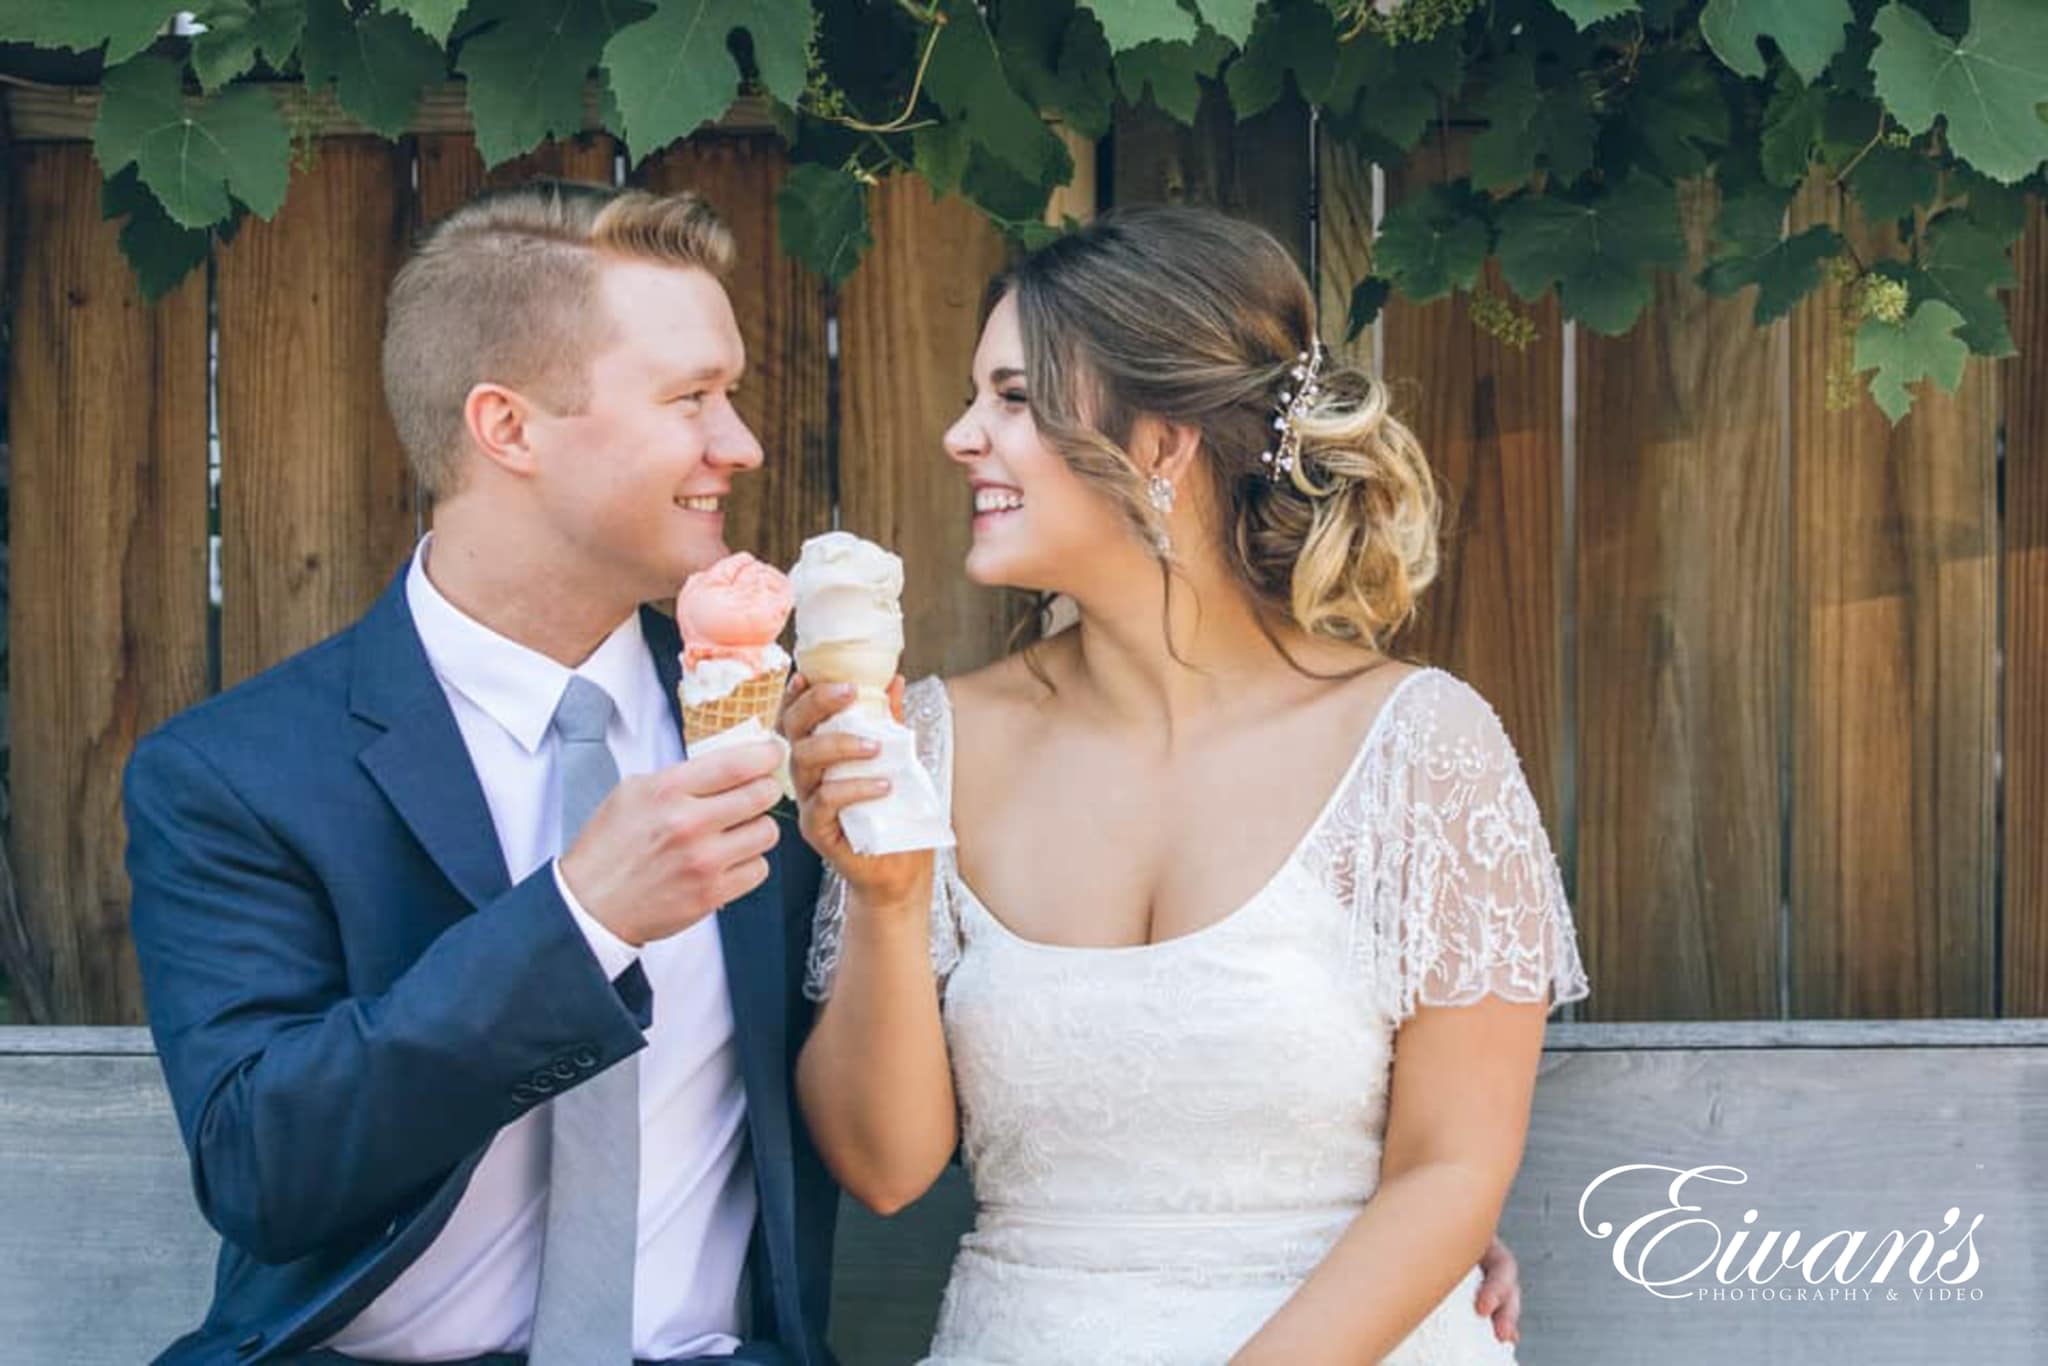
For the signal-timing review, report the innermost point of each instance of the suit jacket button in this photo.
(586, 1058)
(524, 1094)
(542, 1082)
(565, 1070)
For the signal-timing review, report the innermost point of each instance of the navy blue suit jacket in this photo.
(350, 998)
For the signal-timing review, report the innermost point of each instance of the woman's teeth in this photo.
(700, 504)
(997, 500)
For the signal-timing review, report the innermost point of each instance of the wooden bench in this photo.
(1838, 1126)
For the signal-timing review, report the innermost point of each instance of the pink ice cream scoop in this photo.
(733, 610)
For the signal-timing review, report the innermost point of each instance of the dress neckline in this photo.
(1237, 912)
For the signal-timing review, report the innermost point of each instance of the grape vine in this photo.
(1928, 118)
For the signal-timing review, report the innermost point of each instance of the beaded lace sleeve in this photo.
(1443, 861)
(927, 713)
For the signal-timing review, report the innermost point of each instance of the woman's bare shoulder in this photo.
(1005, 691)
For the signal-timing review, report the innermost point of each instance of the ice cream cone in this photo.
(759, 697)
(868, 666)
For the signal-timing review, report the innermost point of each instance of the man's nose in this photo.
(733, 442)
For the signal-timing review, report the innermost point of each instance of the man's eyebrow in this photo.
(704, 374)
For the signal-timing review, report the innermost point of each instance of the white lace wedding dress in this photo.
(1165, 1140)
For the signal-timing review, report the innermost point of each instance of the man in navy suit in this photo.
(418, 902)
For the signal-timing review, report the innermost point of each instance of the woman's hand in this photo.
(880, 881)
(1500, 1291)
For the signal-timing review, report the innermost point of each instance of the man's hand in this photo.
(1500, 1291)
(666, 849)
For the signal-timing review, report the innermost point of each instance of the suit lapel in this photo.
(419, 761)
(750, 933)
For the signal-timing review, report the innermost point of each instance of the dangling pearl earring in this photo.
(1160, 489)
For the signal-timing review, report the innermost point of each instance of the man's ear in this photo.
(497, 419)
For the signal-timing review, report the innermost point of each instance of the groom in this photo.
(476, 997)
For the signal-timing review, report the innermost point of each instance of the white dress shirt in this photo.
(472, 1291)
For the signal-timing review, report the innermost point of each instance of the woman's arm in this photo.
(873, 1079)
(1458, 1114)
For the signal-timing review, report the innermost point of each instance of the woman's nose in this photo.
(965, 440)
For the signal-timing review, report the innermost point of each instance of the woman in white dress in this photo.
(1233, 992)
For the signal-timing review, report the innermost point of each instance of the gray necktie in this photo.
(584, 1316)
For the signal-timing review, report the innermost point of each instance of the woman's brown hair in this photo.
(1196, 318)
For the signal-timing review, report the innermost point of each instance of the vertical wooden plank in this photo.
(451, 172)
(2025, 951)
(107, 618)
(1491, 418)
(1260, 169)
(781, 311)
(1681, 568)
(909, 319)
(1076, 198)
(316, 495)
(1895, 586)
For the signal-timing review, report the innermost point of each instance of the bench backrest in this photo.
(1837, 1126)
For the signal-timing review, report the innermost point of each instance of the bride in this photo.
(1233, 992)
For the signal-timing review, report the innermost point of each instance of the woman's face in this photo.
(1036, 523)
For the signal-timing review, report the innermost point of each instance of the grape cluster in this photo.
(1414, 21)
(1882, 299)
(1498, 318)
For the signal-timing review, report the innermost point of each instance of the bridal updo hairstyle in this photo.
(1197, 318)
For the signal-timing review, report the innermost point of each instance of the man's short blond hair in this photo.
(505, 290)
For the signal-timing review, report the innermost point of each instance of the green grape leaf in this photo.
(1586, 13)
(823, 216)
(1784, 273)
(1965, 265)
(1890, 182)
(1060, 63)
(1368, 297)
(1386, 92)
(1808, 32)
(1232, 19)
(1527, 124)
(526, 72)
(1792, 122)
(1924, 346)
(1987, 87)
(1435, 240)
(1298, 38)
(193, 158)
(966, 80)
(1752, 216)
(238, 33)
(1597, 249)
(378, 62)
(1676, 116)
(673, 72)
(1172, 72)
(1134, 23)
(2001, 209)
(125, 26)
(435, 18)
(939, 153)
(161, 253)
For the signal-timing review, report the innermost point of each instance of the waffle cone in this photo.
(759, 696)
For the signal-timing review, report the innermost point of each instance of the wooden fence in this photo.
(1779, 673)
